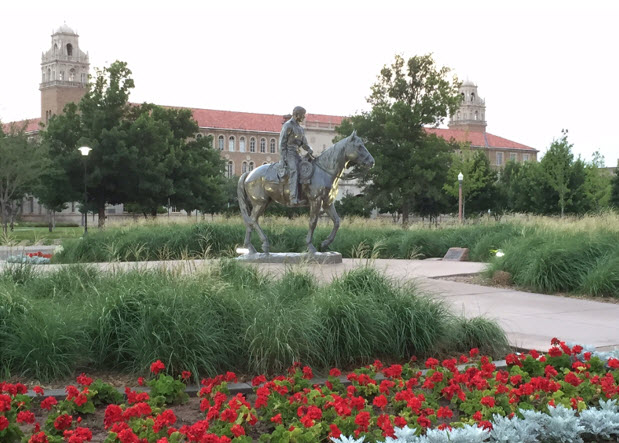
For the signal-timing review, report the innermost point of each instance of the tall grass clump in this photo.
(562, 261)
(228, 317)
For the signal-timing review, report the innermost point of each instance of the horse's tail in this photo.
(243, 200)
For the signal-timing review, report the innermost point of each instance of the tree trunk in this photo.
(101, 210)
(12, 212)
(50, 226)
(405, 213)
(3, 217)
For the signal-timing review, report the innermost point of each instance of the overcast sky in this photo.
(540, 65)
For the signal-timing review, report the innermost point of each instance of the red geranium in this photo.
(157, 367)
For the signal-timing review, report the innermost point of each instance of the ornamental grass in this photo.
(227, 317)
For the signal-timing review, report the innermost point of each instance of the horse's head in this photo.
(357, 153)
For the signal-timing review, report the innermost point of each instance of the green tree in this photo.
(23, 160)
(142, 155)
(556, 166)
(478, 185)
(410, 164)
(351, 205)
(614, 193)
(597, 183)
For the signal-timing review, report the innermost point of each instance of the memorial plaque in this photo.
(457, 254)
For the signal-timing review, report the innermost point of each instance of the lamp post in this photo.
(460, 179)
(84, 151)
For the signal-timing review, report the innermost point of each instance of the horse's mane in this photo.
(328, 158)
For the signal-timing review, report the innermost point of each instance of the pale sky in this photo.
(540, 65)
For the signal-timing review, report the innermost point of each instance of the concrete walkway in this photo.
(530, 320)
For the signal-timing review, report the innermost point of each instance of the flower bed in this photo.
(421, 402)
(32, 258)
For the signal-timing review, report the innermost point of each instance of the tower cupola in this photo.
(471, 115)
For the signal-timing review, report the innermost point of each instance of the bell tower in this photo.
(471, 116)
(64, 73)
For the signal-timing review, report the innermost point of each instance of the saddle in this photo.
(277, 172)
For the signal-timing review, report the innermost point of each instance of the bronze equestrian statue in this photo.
(320, 180)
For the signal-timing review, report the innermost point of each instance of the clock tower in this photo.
(64, 73)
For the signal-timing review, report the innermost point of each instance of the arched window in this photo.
(462, 94)
(43, 77)
(69, 49)
(49, 75)
(220, 140)
(251, 166)
(472, 96)
(264, 163)
(199, 136)
(242, 144)
(231, 144)
(212, 140)
(72, 75)
(252, 145)
(230, 169)
(61, 77)
(263, 145)
(272, 146)
(476, 116)
(458, 115)
(243, 167)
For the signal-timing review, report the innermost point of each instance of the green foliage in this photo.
(410, 165)
(171, 389)
(143, 155)
(614, 195)
(227, 318)
(23, 160)
(353, 206)
(105, 394)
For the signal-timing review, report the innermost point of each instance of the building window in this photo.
(525, 157)
(499, 158)
(242, 144)
(231, 144)
(512, 156)
(31, 205)
(243, 167)
(263, 145)
(69, 50)
(272, 146)
(476, 115)
(251, 166)
(252, 145)
(72, 207)
(264, 163)
(72, 75)
(230, 169)
(472, 96)
(84, 77)
(220, 141)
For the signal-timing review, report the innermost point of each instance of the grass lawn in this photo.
(28, 235)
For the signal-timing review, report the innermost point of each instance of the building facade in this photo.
(246, 140)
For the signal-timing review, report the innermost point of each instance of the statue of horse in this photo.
(258, 188)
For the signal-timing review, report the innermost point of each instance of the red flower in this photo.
(431, 363)
(257, 381)
(335, 431)
(555, 352)
(140, 381)
(307, 373)
(48, 403)
(277, 419)
(38, 390)
(25, 417)
(4, 423)
(444, 412)
(394, 371)
(186, 375)
(157, 367)
(474, 352)
(380, 401)
(83, 380)
(237, 430)
(488, 401)
(127, 436)
(38, 438)
(363, 420)
(231, 377)
(424, 422)
(477, 416)
(554, 341)
(335, 372)
(613, 363)
(63, 422)
(400, 422)
(463, 359)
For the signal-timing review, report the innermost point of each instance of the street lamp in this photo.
(84, 151)
(460, 179)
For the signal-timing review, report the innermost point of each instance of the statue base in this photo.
(293, 258)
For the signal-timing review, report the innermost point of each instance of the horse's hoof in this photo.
(324, 246)
(265, 249)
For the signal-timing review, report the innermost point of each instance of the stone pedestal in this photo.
(293, 258)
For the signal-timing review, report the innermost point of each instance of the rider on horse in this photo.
(291, 139)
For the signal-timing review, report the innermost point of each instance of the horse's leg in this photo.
(336, 225)
(256, 212)
(247, 244)
(313, 221)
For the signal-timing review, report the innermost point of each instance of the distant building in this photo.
(246, 140)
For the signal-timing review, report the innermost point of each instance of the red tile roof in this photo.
(478, 139)
(210, 118)
(31, 125)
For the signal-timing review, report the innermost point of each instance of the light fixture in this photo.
(85, 150)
